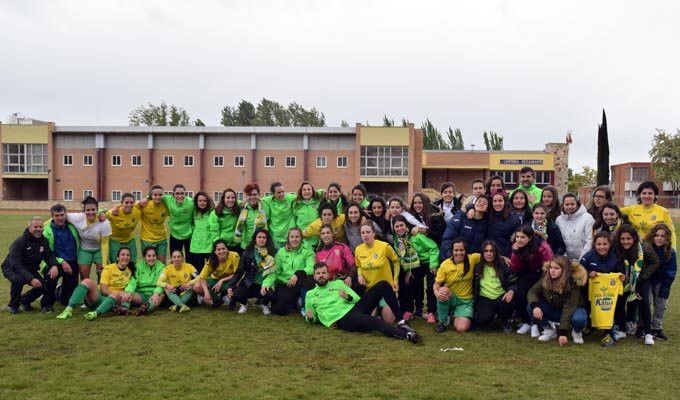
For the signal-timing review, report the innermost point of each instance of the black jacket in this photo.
(26, 254)
(507, 277)
(246, 271)
(501, 229)
(555, 239)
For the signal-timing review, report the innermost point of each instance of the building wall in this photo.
(561, 164)
(178, 173)
(433, 178)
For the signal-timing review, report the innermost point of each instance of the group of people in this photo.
(492, 258)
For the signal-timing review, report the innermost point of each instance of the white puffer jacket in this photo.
(577, 232)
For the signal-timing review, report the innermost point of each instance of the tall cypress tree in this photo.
(602, 152)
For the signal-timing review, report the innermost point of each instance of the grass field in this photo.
(217, 354)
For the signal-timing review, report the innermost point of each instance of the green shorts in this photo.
(161, 247)
(89, 257)
(114, 246)
(223, 289)
(145, 295)
(456, 306)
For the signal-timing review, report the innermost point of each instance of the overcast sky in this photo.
(529, 70)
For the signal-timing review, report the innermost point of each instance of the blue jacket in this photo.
(499, 230)
(604, 265)
(473, 232)
(665, 274)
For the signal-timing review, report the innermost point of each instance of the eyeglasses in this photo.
(598, 196)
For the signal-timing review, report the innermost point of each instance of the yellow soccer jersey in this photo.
(379, 263)
(177, 276)
(603, 290)
(223, 269)
(453, 276)
(153, 222)
(643, 218)
(123, 225)
(115, 279)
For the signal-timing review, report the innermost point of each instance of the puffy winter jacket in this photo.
(473, 232)
(339, 259)
(499, 230)
(603, 265)
(577, 232)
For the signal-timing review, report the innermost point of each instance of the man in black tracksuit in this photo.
(22, 265)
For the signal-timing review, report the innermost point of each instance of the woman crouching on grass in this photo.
(142, 290)
(100, 300)
(453, 288)
(494, 288)
(558, 297)
(214, 279)
(177, 280)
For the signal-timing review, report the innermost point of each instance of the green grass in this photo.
(218, 354)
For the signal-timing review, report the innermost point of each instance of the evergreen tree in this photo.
(602, 152)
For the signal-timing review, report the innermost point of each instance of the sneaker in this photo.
(143, 308)
(226, 300)
(404, 326)
(199, 299)
(649, 339)
(91, 316)
(440, 328)
(536, 332)
(577, 337)
(607, 341)
(243, 309)
(430, 318)
(66, 314)
(408, 316)
(173, 308)
(631, 327)
(265, 310)
(523, 329)
(57, 292)
(83, 307)
(27, 307)
(14, 310)
(660, 335)
(303, 312)
(46, 309)
(507, 327)
(414, 337)
(184, 308)
(120, 310)
(548, 334)
(617, 334)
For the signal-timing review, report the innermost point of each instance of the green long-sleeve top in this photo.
(427, 250)
(326, 304)
(222, 227)
(535, 193)
(200, 238)
(280, 216)
(288, 262)
(181, 216)
(249, 225)
(145, 277)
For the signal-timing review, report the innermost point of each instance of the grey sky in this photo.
(530, 70)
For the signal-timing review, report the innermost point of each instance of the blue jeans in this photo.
(579, 318)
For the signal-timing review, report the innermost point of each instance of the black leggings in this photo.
(524, 282)
(643, 288)
(487, 309)
(284, 298)
(359, 318)
(412, 295)
(198, 260)
(243, 293)
(182, 245)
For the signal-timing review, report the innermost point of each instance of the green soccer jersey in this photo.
(326, 304)
(181, 216)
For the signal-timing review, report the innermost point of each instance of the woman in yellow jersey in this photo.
(216, 274)
(111, 286)
(453, 288)
(153, 223)
(177, 280)
(376, 261)
(328, 215)
(124, 220)
(647, 213)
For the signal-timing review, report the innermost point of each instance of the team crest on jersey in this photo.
(375, 256)
(612, 282)
(186, 276)
(653, 217)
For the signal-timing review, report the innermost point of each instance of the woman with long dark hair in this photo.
(502, 223)
(216, 274)
(520, 205)
(551, 200)
(494, 288)
(201, 246)
(222, 220)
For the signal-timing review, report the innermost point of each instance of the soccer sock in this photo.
(186, 296)
(174, 298)
(125, 304)
(106, 305)
(151, 305)
(78, 296)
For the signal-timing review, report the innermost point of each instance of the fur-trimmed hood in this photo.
(578, 273)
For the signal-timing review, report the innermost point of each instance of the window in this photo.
(115, 195)
(68, 195)
(239, 161)
(290, 162)
(116, 161)
(267, 194)
(217, 196)
(384, 160)
(136, 161)
(321, 162)
(189, 194)
(342, 162)
(507, 176)
(239, 196)
(270, 161)
(24, 158)
(168, 161)
(218, 161)
(188, 161)
(168, 192)
(543, 177)
(137, 194)
(640, 174)
(87, 161)
(88, 193)
(68, 160)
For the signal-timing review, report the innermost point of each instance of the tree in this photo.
(302, 117)
(587, 177)
(493, 141)
(198, 122)
(405, 122)
(161, 115)
(602, 152)
(665, 156)
(455, 139)
(344, 124)
(387, 121)
(432, 139)
(241, 115)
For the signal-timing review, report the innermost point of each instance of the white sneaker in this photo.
(548, 334)
(266, 310)
(535, 332)
(226, 300)
(618, 335)
(577, 337)
(649, 339)
(523, 329)
(243, 309)
(199, 299)
(631, 327)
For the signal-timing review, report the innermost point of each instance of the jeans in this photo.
(579, 318)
